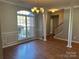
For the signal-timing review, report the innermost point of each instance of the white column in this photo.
(51, 26)
(44, 25)
(69, 44)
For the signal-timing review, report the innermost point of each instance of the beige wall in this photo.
(1, 55)
(9, 32)
(64, 34)
(66, 23)
(8, 23)
(61, 15)
(48, 24)
(61, 20)
(76, 24)
(40, 25)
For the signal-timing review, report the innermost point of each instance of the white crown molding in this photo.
(77, 6)
(8, 2)
(12, 3)
(68, 7)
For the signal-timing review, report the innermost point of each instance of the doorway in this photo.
(55, 22)
(25, 24)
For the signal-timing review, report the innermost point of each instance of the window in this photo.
(23, 12)
(25, 23)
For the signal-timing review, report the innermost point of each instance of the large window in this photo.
(25, 23)
(30, 26)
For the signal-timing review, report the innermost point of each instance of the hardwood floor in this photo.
(51, 49)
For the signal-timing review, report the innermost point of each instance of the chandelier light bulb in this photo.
(37, 11)
(32, 10)
(42, 10)
(35, 8)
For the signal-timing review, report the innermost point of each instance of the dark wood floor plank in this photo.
(51, 49)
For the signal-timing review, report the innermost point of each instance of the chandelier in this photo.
(37, 10)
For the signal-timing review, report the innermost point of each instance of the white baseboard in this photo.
(60, 38)
(75, 41)
(15, 43)
(18, 42)
(65, 39)
(11, 44)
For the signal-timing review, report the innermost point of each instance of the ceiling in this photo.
(45, 3)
